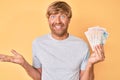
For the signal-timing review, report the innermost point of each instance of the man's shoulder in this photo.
(73, 37)
(41, 38)
(78, 40)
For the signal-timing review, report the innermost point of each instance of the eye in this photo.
(52, 16)
(62, 16)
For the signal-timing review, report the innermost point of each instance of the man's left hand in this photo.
(97, 55)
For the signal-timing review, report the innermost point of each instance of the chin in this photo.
(60, 34)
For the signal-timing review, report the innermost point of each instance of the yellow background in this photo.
(21, 21)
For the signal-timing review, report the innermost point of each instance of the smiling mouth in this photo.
(58, 27)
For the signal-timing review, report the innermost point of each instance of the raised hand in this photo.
(17, 58)
(97, 55)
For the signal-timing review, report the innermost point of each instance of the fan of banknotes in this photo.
(96, 35)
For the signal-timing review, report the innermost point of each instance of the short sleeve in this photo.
(35, 60)
(85, 60)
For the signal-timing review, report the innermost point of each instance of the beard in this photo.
(59, 29)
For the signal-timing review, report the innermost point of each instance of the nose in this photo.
(58, 20)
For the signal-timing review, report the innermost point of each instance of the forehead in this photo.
(57, 11)
(59, 14)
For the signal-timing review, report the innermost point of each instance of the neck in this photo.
(60, 37)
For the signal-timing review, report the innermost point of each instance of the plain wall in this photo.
(21, 21)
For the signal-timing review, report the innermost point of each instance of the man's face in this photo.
(58, 24)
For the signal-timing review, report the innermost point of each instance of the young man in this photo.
(59, 55)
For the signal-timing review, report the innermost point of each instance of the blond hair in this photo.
(59, 7)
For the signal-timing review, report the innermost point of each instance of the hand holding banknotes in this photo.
(97, 55)
(96, 37)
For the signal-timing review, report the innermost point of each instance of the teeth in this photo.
(58, 27)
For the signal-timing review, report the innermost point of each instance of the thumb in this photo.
(14, 52)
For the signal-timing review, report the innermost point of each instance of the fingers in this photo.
(99, 51)
(5, 58)
(14, 52)
(17, 58)
(1, 57)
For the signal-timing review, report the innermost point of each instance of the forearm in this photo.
(32, 72)
(89, 73)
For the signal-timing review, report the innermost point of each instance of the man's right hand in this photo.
(34, 73)
(17, 58)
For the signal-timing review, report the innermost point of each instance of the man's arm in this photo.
(97, 56)
(87, 74)
(34, 73)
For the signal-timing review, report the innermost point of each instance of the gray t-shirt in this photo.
(60, 59)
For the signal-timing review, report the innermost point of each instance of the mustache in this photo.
(58, 24)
